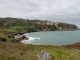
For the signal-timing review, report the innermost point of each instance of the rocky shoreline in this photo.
(75, 45)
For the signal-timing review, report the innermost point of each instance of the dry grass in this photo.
(15, 51)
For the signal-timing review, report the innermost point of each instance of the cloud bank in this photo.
(53, 10)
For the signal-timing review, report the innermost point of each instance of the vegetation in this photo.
(15, 51)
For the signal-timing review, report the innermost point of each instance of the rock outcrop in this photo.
(18, 38)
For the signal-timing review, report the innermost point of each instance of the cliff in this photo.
(36, 25)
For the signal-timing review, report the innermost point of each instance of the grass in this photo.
(22, 28)
(3, 34)
(16, 51)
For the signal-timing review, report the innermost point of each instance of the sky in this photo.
(67, 11)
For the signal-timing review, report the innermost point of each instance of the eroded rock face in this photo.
(65, 26)
(44, 56)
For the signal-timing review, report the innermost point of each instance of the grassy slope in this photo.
(14, 51)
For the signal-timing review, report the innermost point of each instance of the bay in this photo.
(54, 37)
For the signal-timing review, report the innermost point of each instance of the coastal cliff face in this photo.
(65, 26)
(36, 25)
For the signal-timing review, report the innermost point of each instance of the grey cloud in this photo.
(55, 10)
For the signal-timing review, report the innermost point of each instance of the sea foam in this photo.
(30, 39)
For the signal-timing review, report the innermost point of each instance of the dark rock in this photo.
(20, 37)
(2, 39)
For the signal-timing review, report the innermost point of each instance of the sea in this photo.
(57, 38)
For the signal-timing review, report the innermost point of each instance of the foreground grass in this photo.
(15, 51)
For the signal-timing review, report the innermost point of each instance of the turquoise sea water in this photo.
(54, 37)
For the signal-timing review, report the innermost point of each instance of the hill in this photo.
(35, 25)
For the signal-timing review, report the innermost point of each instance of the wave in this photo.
(26, 42)
(33, 38)
(30, 39)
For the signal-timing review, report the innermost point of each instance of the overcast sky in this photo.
(54, 10)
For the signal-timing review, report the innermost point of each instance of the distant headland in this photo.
(35, 25)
